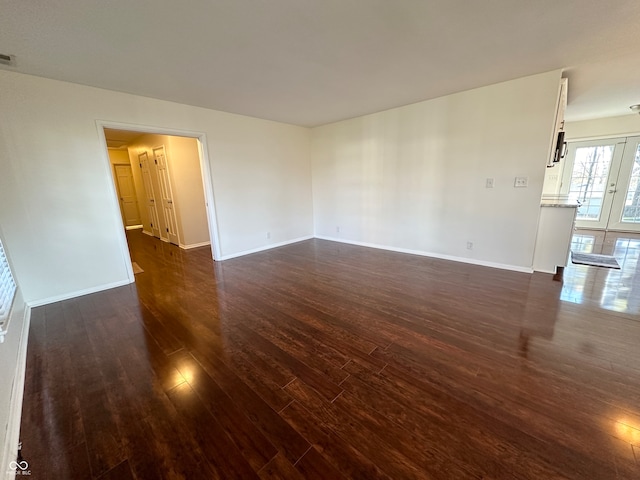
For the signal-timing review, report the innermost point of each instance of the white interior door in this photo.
(167, 196)
(127, 195)
(143, 160)
(625, 209)
(590, 177)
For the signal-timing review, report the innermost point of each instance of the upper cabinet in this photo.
(553, 176)
(558, 145)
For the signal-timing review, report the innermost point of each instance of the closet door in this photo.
(168, 208)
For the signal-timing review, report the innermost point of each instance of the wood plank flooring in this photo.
(322, 360)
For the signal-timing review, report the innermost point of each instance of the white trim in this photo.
(78, 293)
(473, 261)
(12, 436)
(601, 137)
(210, 204)
(133, 227)
(194, 245)
(542, 270)
(115, 204)
(267, 247)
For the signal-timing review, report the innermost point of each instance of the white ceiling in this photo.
(120, 138)
(310, 62)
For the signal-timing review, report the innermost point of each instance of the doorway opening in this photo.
(163, 188)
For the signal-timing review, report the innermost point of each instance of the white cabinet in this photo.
(553, 242)
(558, 127)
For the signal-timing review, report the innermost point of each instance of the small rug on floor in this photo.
(593, 259)
(136, 268)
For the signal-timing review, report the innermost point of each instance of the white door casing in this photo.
(127, 195)
(143, 160)
(168, 207)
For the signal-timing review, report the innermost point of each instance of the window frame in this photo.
(7, 291)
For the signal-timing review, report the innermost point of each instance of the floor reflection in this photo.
(616, 290)
(540, 312)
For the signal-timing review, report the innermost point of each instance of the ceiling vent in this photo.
(7, 59)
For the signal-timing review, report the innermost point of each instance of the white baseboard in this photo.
(78, 293)
(12, 437)
(195, 245)
(133, 227)
(472, 261)
(542, 270)
(266, 247)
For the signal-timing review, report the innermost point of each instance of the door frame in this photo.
(205, 171)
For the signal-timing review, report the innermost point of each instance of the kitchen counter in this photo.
(559, 202)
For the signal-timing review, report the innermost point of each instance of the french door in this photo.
(604, 176)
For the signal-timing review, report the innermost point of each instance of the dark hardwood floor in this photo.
(324, 360)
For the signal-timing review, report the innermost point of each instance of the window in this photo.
(7, 292)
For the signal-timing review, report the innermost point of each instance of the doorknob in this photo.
(612, 191)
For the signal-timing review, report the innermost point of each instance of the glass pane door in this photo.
(625, 211)
(590, 176)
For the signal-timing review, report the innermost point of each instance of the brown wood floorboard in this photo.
(322, 360)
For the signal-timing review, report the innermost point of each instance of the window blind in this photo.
(7, 291)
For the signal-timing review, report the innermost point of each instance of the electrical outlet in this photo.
(469, 245)
(489, 183)
(268, 235)
(337, 229)
(521, 182)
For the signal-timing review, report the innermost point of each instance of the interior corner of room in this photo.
(401, 179)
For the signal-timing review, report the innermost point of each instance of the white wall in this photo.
(12, 359)
(626, 125)
(413, 178)
(12, 369)
(59, 211)
(189, 199)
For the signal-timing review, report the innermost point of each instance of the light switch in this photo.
(489, 183)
